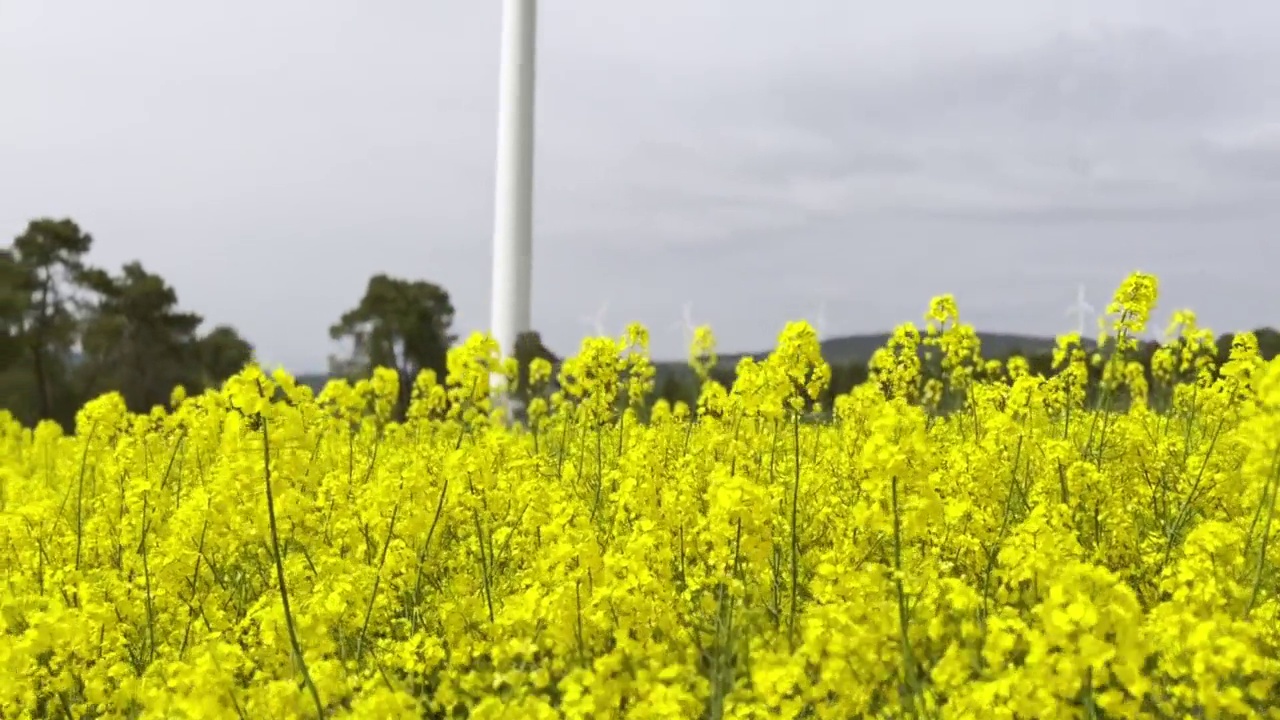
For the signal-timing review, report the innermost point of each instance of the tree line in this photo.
(70, 331)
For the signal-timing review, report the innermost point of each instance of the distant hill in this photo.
(837, 351)
(315, 381)
(842, 351)
(859, 348)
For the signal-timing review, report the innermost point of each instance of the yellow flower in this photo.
(960, 538)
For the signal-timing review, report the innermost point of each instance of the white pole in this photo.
(511, 312)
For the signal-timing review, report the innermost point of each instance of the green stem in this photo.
(422, 556)
(284, 592)
(795, 538)
(195, 581)
(484, 565)
(908, 662)
(84, 457)
(1266, 532)
(377, 578)
(577, 599)
(146, 576)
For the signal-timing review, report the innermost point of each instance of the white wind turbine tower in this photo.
(511, 305)
(1080, 310)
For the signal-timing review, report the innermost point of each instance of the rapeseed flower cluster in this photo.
(975, 542)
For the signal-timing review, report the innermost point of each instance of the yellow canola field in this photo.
(975, 542)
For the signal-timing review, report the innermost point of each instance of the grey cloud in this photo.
(1140, 105)
(1248, 155)
(1101, 133)
(1100, 82)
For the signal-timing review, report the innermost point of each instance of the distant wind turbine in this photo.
(685, 325)
(820, 320)
(596, 321)
(1154, 331)
(1080, 310)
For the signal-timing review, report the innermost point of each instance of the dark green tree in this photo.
(38, 280)
(1268, 342)
(138, 341)
(400, 324)
(13, 304)
(222, 353)
(675, 383)
(529, 347)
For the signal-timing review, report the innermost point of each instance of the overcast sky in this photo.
(752, 157)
